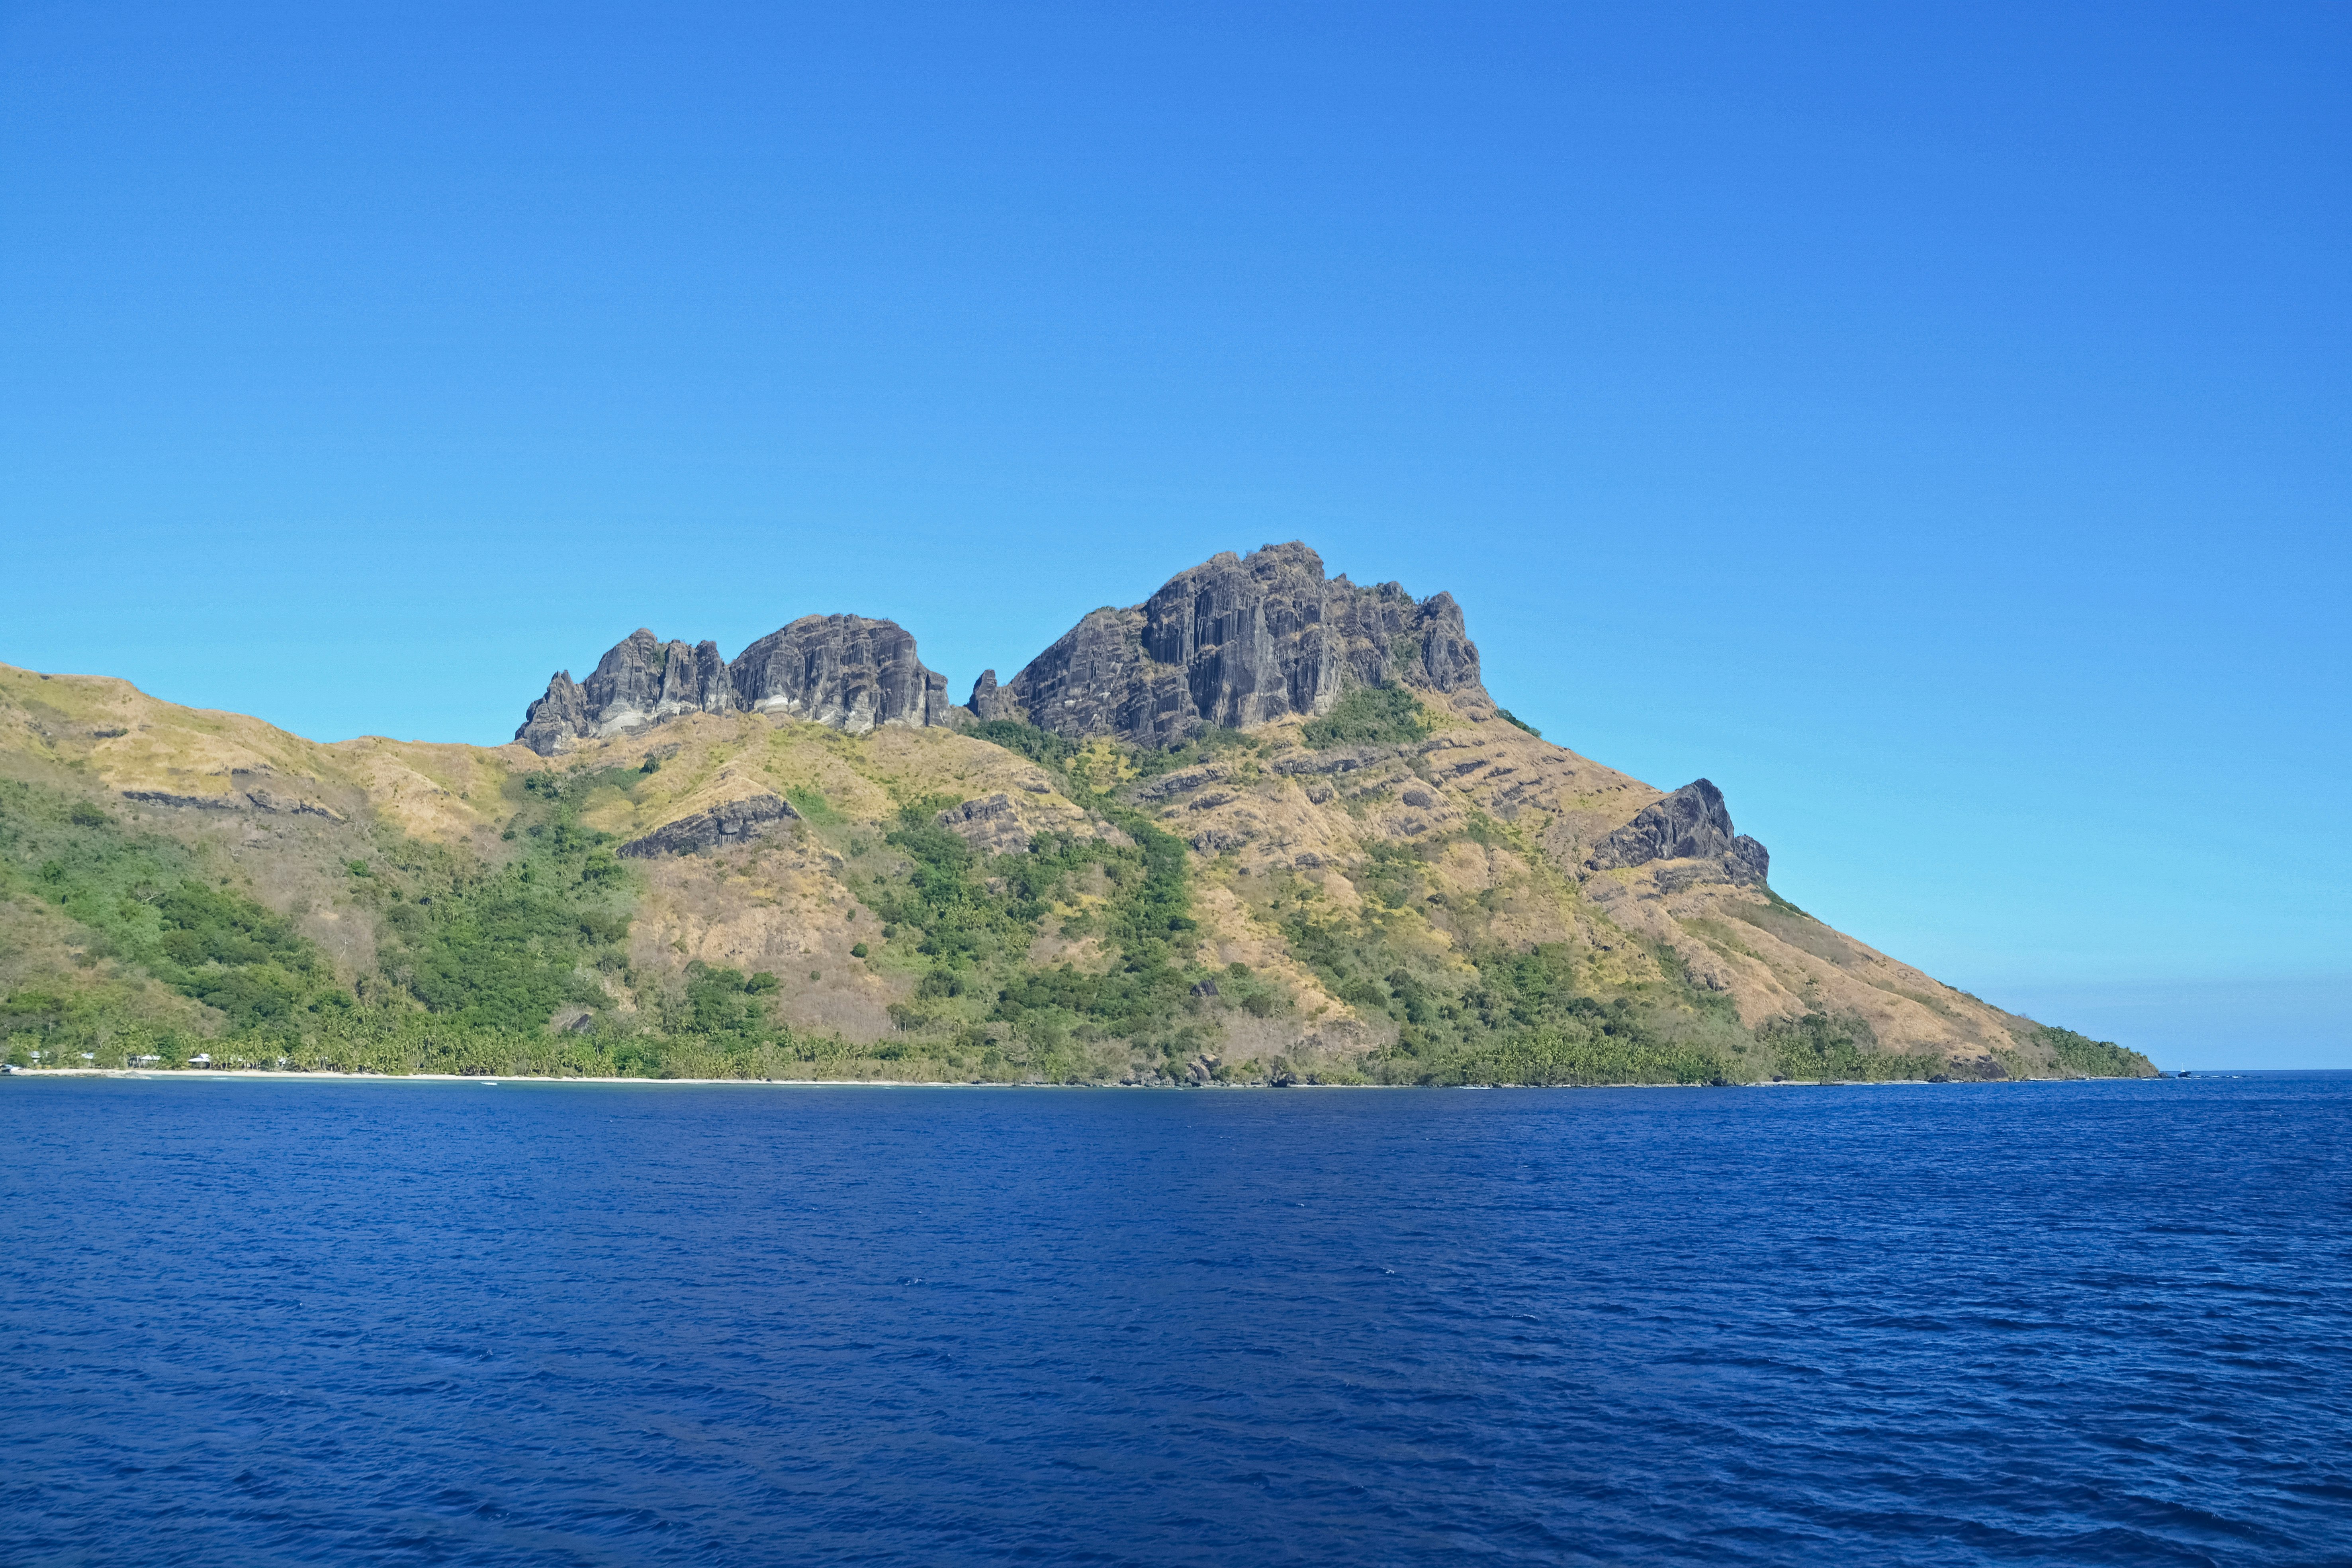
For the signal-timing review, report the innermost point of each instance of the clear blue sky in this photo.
(1929, 423)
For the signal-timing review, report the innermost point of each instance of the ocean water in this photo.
(254, 1322)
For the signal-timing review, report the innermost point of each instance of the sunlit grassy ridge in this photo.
(475, 956)
(466, 910)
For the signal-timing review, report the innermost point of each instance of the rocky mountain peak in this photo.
(1235, 641)
(848, 671)
(1691, 824)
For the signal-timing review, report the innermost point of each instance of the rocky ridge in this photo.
(1236, 642)
(847, 672)
(732, 822)
(1347, 904)
(1691, 824)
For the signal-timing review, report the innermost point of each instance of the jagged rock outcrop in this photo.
(560, 716)
(697, 682)
(989, 700)
(1691, 824)
(644, 678)
(639, 681)
(736, 821)
(994, 824)
(847, 672)
(291, 805)
(844, 671)
(192, 802)
(238, 800)
(1235, 641)
(990, 825)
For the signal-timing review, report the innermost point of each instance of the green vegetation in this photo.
(228, 952)
(1064, 962)
(2093, 1058)
(1038, 745)
(503, 947)
(1515, 1017)
(1838, 1050)
(944, 894)
(1509, 1014)
(1516, 723)
(814, 807)
(1369, 716)
(729, 1008)
(977, 998)
(153, 908)
(1205, 745)
(1065, 756)
(472, 958)
(1147, 923)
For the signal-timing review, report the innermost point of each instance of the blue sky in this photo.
(1929, 423)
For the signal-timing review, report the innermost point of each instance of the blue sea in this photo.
(259, 1322)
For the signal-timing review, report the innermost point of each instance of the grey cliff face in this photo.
(696, 682)
(1236, 641)
(626, 689)
(640, 681)
(737, 822)
(1691, 824)
(852, 673)
(989, 825)
(988, 700)
(556, 717)
(847, 672)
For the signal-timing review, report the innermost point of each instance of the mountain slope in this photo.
(1090, 874)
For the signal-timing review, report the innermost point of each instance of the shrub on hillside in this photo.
(1369, 716)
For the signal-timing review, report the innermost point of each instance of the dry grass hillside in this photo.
(914, 903)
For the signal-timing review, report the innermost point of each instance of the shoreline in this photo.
(495, 1081)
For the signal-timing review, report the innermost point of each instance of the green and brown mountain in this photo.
(1267, 826)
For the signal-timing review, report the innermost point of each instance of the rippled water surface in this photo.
(278, 1322)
